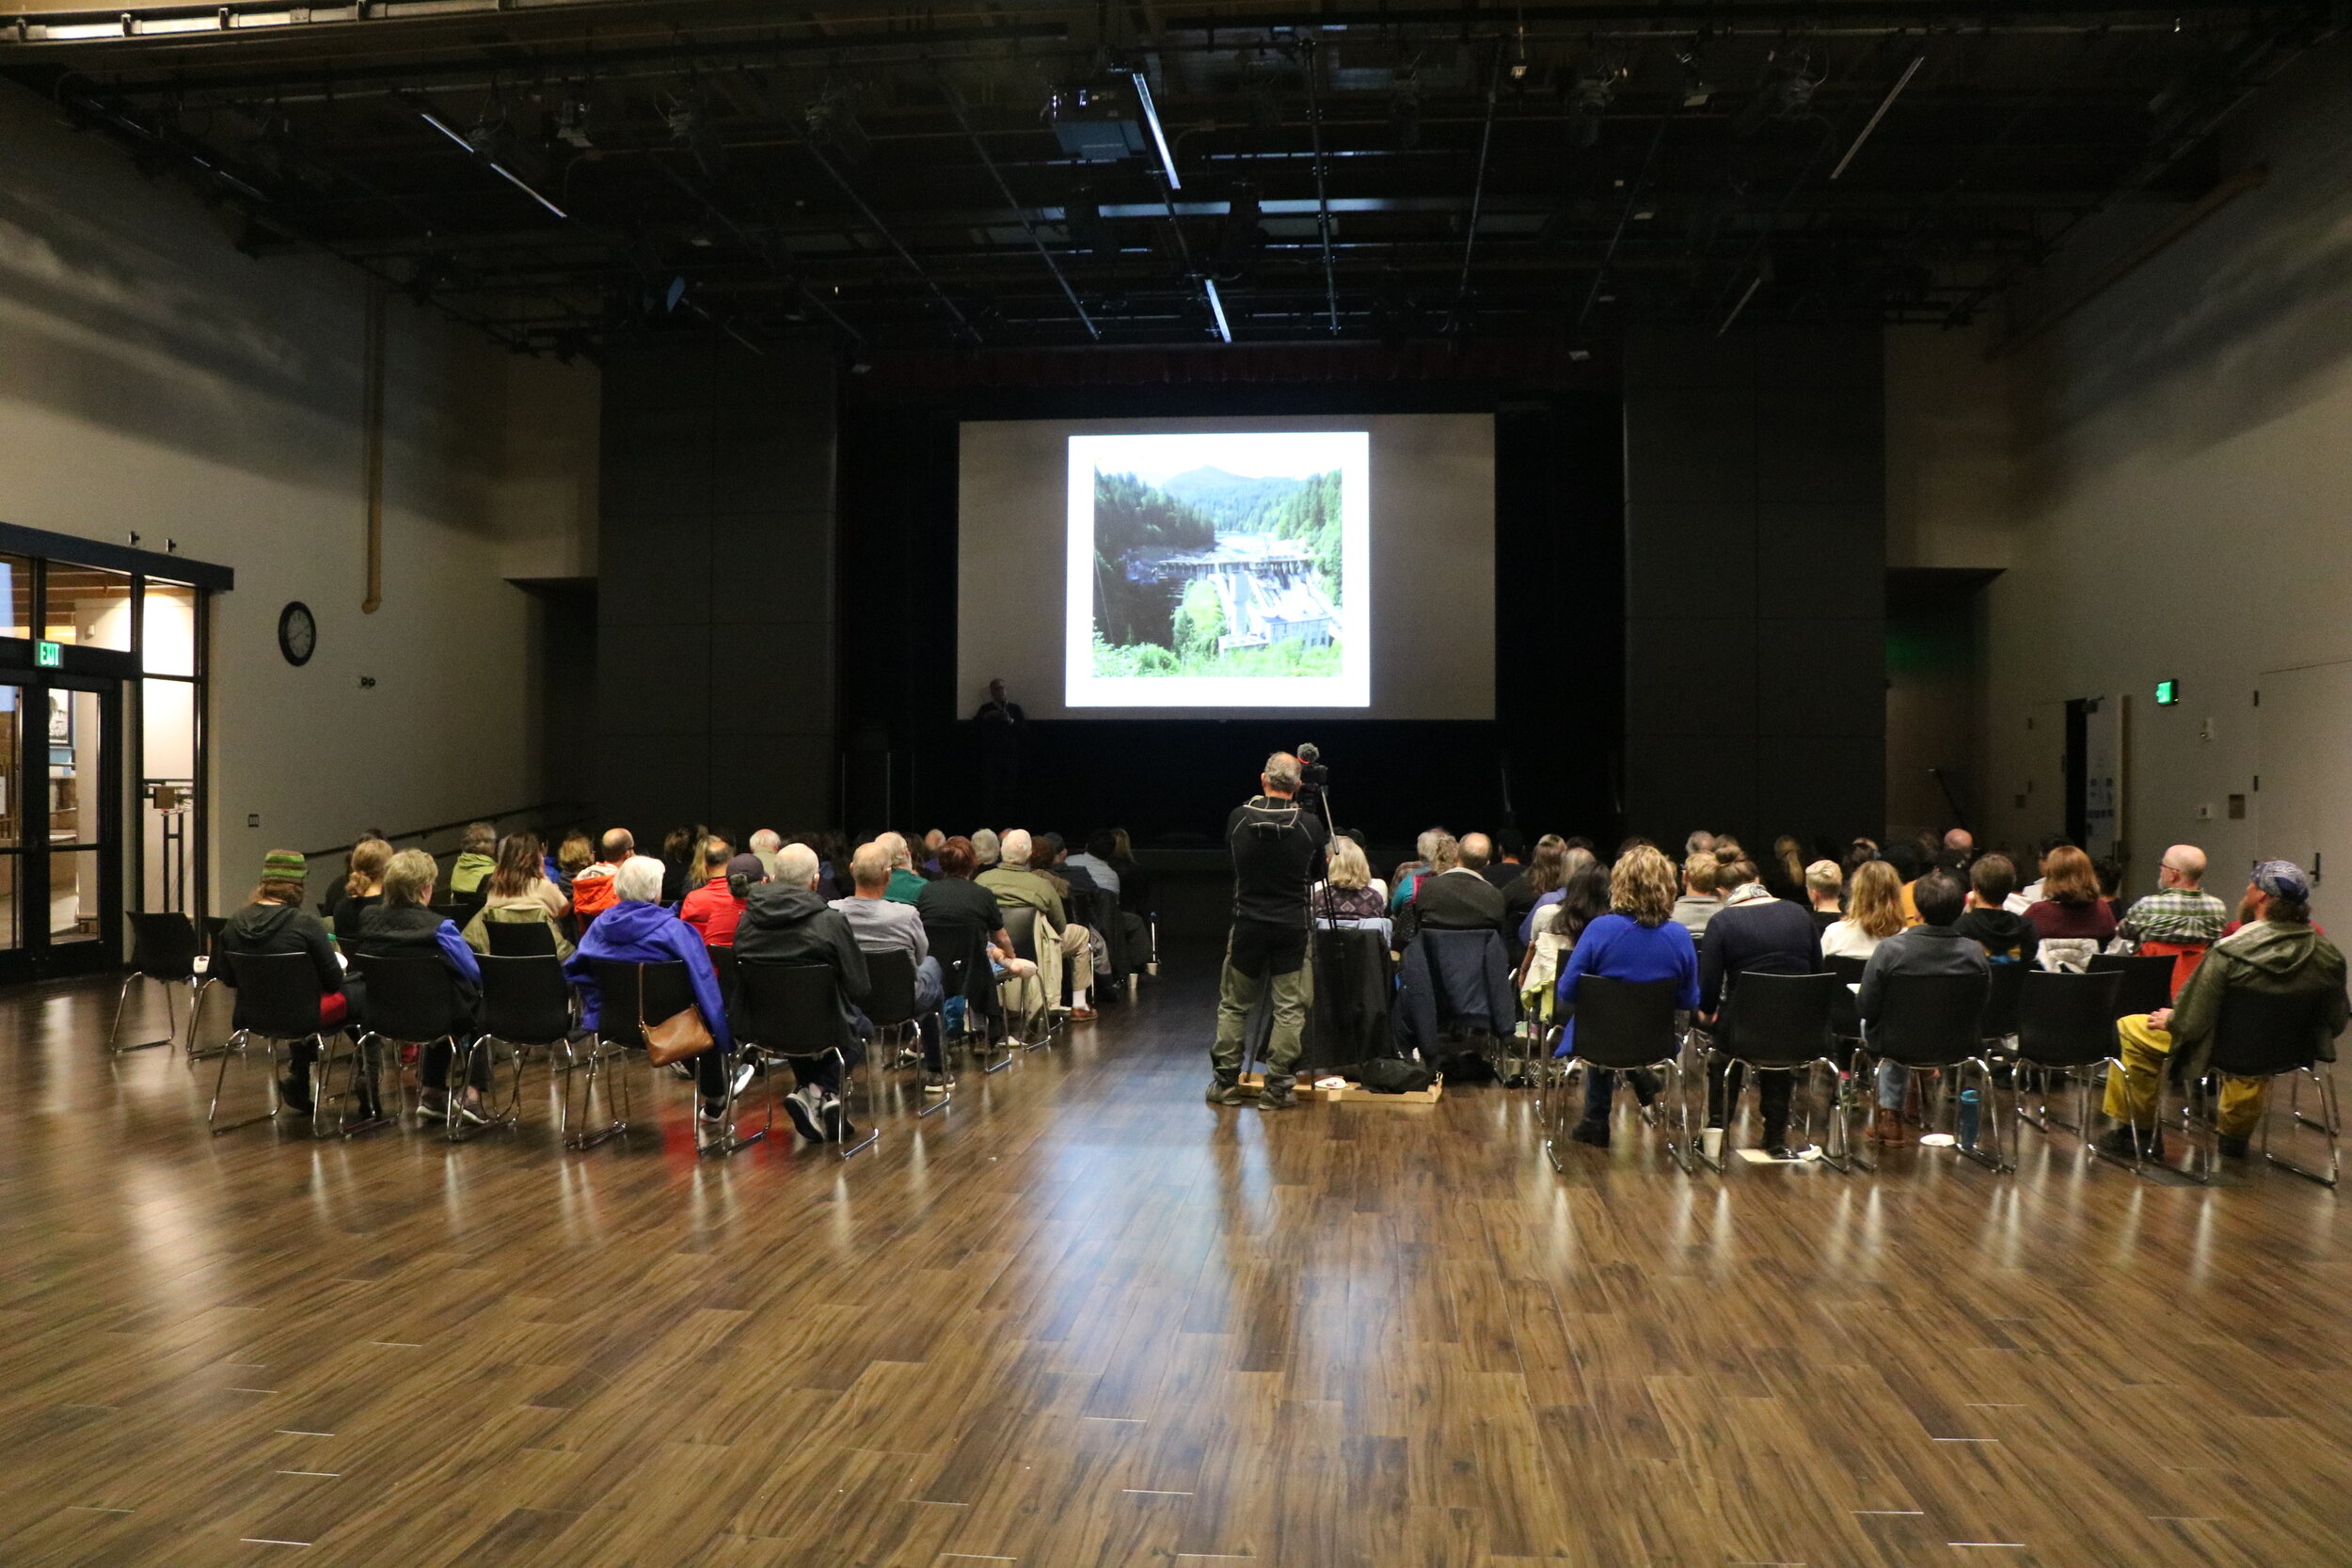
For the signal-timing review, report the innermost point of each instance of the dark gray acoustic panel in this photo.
(1755, 567)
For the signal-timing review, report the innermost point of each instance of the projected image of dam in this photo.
(1266, 588)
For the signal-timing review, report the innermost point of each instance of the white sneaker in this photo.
(744, 1076)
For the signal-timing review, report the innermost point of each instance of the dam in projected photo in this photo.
(1268, 590)
(1209, 572)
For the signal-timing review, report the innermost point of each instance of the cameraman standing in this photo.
(1278, 852)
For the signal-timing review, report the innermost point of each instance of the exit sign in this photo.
(2168, 692)
(48, 655)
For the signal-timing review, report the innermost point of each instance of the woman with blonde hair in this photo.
(1874, 912)
(1348, 892)
(1637, 939)
(1825, 887)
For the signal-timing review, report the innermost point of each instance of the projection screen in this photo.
(1328, 567)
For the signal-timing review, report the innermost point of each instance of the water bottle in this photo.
(1968, 1118)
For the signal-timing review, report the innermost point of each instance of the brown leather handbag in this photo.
(676, 1038)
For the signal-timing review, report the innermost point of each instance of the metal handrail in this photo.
(463, 822)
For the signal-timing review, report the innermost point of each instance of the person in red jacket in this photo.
(714, 907)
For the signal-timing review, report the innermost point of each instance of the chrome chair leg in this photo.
(1988, 1117)
(241, 1047)
(729, 1140)
(1707, 1076)
(2329, 1126)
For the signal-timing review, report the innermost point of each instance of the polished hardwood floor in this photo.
(1083, 1318)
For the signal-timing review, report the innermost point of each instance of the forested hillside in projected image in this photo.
(1212, 573)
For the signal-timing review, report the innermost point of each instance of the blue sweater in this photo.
(1616, 948)
(630, 932)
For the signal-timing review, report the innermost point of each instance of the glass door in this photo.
(60, 829)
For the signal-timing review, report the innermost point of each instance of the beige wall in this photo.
(2167, 479)
(154, 379)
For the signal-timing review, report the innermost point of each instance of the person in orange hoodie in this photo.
(592, 890)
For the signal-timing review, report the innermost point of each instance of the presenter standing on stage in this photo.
(1278, 853)
(1000, 721)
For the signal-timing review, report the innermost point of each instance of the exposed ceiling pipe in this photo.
(372, 442)
(1323, 195)
(1884, 103)
(1634, 196)
(1478, 185)
(874, 220)
(955, 101)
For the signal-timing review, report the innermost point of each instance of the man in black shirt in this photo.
(1278, 853)
(1000, 723)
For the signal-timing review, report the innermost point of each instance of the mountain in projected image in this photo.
(1212, 573)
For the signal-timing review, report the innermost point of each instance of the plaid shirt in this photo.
(2181, 914)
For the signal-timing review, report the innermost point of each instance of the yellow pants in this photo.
(2132, 1095)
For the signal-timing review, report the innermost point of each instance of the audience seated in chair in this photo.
(2006, 937)
(517, 895)
(2071, 919)
(1754, 933)
(593, 890)
(637, 930)
(1637, 939)
(1454, 894)
(1931, 947)
(1408, 875)
(906, 883)
(2180, 920)
(1011, 882)
(1824, 891)
(477, 856)
(1699, 900)
(882, 924)
(363, 887)
(403, 926)
(2278, 954)
(1874, 912)
(1546, 873)
(274, 921)
(788, 921)
(715, 903)
(1346, 894)
(955, 898)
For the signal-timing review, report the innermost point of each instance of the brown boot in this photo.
(1886, 1127)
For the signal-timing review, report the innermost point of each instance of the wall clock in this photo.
(297, 633)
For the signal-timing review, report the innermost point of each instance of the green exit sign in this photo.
(48, 655)
(2168, 692)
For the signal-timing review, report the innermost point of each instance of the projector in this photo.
(1096, 123)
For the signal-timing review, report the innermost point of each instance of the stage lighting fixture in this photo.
(691, 128)
(1696, 88)
(1786, 93)
(1216, 307)
(1242, 237)
(571, 123)
(833, 124)
(1589, 97)
(1096, 122)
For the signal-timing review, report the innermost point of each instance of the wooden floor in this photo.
(1085, 1319)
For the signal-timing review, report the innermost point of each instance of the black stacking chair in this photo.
(2147, 981)
(962, 954)
(1928, 1023)
(661, 990)
(790, 1010)
(1624, 1025)
(410, 1003)
(2065, 1023)
(526, 1002)
(163, 948)
(517, 939)
(2264, 1036)
(277, 996)
(1778, 1024)
(457, 913)
(1021, 924)
(1493, 1036)
(1999, 1022)
(890, 1004)
(1845, 1017)
(723, 965)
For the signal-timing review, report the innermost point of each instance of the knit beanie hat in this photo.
(283, 865)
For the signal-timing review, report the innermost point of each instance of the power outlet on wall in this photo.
(2204, 813)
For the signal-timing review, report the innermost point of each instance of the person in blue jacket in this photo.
(637, 930)
(1637, 939)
